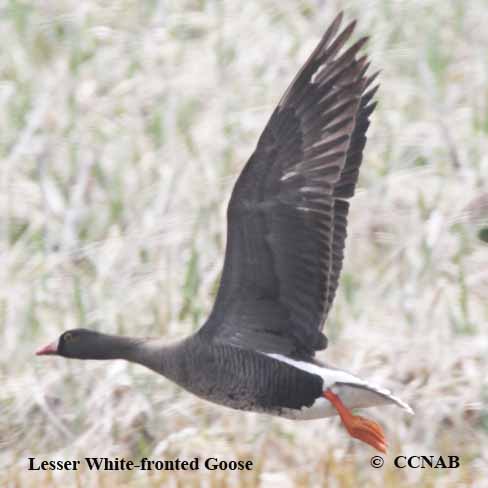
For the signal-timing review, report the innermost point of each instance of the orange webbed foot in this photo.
(367, 431)
(361, 428)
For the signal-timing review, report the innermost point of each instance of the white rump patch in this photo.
(363, 396)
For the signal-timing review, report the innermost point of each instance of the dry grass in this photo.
(123, 127)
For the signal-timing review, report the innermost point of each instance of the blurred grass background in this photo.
(123, 126)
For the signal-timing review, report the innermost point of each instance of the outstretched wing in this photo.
(287, 213)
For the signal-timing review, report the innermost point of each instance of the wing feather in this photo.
(286, 216)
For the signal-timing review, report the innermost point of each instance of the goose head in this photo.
(84, 344)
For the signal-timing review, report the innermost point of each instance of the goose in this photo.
(286, 231)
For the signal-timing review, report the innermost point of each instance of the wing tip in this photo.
(337, 21)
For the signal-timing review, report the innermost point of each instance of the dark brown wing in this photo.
(286, 217)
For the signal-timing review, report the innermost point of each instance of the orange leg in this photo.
(363, 429)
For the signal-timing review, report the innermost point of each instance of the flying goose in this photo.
(287, 221)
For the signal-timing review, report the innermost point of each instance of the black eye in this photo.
(68, 337)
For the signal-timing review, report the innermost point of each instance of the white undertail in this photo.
(353, 391)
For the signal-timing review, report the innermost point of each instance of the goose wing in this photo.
(288, 211)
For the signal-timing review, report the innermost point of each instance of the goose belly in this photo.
(275, 384)
(248, 380)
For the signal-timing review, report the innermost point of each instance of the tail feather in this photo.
(353, 391)
(355, 395)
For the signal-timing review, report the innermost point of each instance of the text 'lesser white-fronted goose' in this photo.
(285, 240)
